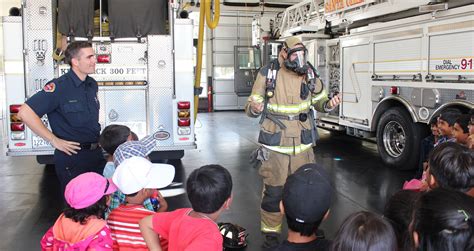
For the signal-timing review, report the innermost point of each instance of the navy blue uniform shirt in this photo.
(72, 107)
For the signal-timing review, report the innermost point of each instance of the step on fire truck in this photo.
(143, 82)
(397, 64)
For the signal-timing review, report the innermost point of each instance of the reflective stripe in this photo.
(256, 97)
(267, 229)
(289, 109)
(290, 150)
(316, 98)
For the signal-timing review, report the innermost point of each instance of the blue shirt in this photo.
(72, 107)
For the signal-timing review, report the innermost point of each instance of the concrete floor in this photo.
(29, 201)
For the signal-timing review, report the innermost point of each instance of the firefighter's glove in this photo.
(258, 156)
(256, 107)
(334, 102)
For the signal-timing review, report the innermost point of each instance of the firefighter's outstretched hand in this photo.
(68, 147)
(335, 101)
(255, 106)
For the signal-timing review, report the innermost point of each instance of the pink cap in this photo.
(86, 189)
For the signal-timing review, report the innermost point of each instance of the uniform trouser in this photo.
(274, 171)
(68, 167)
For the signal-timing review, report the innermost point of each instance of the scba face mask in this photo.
(297, 61)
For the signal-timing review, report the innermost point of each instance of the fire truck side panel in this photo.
(184, 79)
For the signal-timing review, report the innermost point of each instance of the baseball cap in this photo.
(136, 173)
(129, 149)
(307, 194)
(86, 189)
(292, 42)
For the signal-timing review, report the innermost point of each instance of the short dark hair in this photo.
(452, 165)
(398, 211)
(73, 49)
(365, 231)
(305, 229)
(463, 122)
(208, 187)
(134, 136)
(450, 115)
(444, 221)
(81, 215)
(112, 136)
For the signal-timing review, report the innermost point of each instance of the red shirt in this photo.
(123, 223)
(184, 232)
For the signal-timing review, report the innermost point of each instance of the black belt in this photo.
(301, 117)
(89, 146)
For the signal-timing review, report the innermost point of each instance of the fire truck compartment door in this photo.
(124, 107)
(355, 84)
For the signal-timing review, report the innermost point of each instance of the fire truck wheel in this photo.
(398, 139)
(162, 155)
(45, 159)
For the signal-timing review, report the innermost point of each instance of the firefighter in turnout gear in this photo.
(282, 95)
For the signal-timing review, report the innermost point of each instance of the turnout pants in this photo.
(68, 167)
(274, 171)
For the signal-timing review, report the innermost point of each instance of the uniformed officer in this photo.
(283, 93)
(71, 104)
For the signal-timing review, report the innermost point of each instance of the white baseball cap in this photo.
(136, 173)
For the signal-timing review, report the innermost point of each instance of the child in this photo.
(137, 178)
(461, 130)
(446, 122)
(443, 220)
(305, 202)
(81, 226)
(451, 166)
(364, 231)
(111, 137)
(130, 149)
(427, 144)
(209, 191)
(398, 211)
(470, 140)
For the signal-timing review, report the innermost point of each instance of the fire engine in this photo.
(144, 83)
(397, 64)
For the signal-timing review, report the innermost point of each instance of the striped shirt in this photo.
(125, 231)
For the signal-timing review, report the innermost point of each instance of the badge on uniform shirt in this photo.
(49, 87)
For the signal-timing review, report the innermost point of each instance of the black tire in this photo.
(162, 155)
(45, 159)
(399, 139)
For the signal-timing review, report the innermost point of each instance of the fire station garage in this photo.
(378, 90)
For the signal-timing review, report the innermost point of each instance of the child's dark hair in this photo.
(80, 215)
(73, 49)
(463, 121)
(112, 136)
(443, 221)
(450, 116)
(208, 187)
(433, 121)
(363, 231)
(452, 165)
(134, 136)
(305, 229)
(398, 211)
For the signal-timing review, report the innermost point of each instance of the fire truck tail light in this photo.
(14, 118)
(183, 114)
(17, 127)
(184, 122)
(104, 59)
(14, 108)
(184, 105)
(17, 135)
(394, 90)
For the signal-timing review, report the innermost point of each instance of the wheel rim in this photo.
(394, 139)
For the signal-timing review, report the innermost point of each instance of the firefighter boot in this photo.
(270, 240)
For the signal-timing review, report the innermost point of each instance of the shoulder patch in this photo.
(51, 87)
